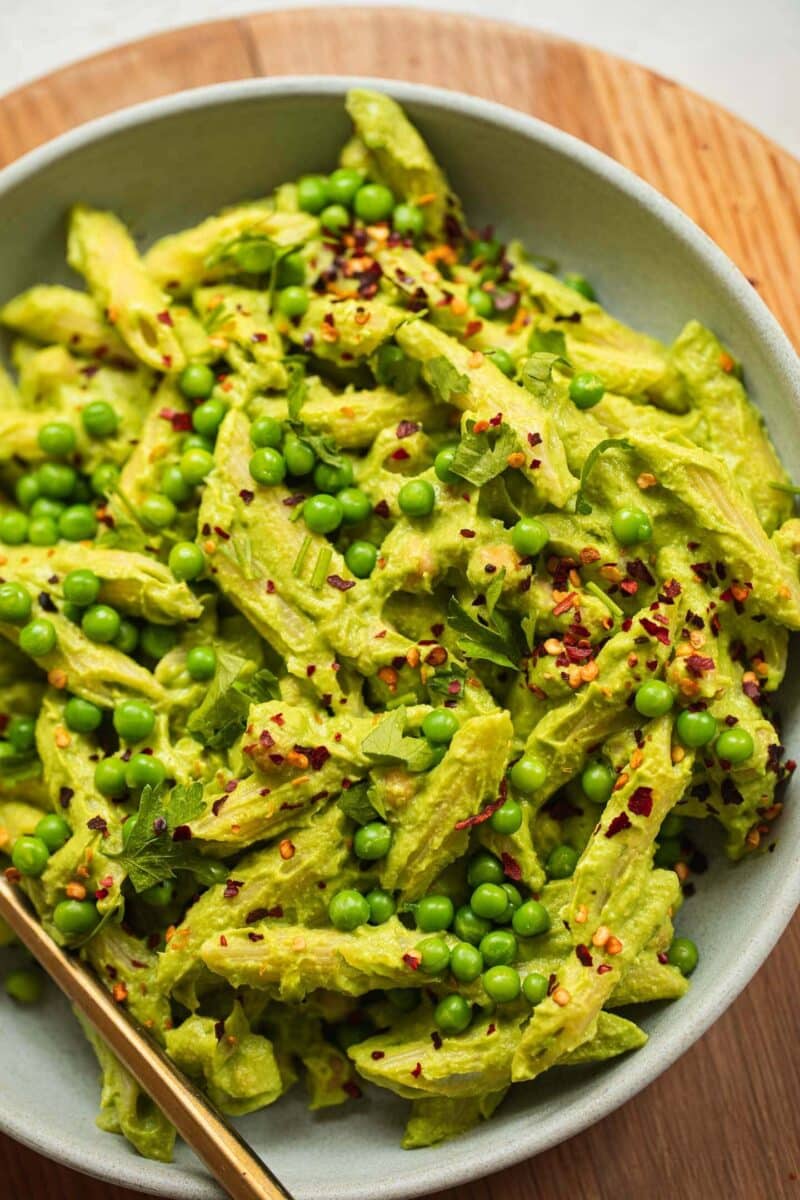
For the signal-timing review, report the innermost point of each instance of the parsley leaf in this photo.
(548, 341)
(387, 743)
(494, 591)
(357, 803)
(225, 251)
(482, 456)
(151, 854)
(451, 674)
(479, 641)
(444, 379)
(582, 505)
(222, 716)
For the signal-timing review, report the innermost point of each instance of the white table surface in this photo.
(743, 54)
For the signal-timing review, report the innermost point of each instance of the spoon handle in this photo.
(240, 1172)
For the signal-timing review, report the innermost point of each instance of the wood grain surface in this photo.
(724, 1122)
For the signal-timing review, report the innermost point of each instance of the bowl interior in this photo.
(169, 165)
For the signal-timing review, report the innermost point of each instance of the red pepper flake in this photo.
(657, 631)
(400, 454)
(182, 833)
(101, 893)
(620, 822)
(317, 757)
(472, 328)
(629, 586)
(231, 785)
(662, 957)
(490, 1029)
(65, 794)
(603, 969)
(584, 955)
(552, 983)
(751, 689)
(641, 802)
(351, 1089)
(534, 439)
(181, 421)
(222, 533)
(467, 533)
(341, 585)
(672, 588)
(246, 496)
(259, 337)
(255, 937)
(479, 817)
(260, 914)
(278, 719)
(511, 868)
(293, 500)
(381, 509)
(436, 1039)
(696, 664)
(436, 656)
(270, 587)
(164, 318)
(377, 1055)
(406, 428)
(99, 823)
(565, 604)
(412, 960)
(232, 888)
(415, 1074)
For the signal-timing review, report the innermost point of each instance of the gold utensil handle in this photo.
(226, 1155)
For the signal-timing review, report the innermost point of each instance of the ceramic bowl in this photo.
(165, 165)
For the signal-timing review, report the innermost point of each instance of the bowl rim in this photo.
(721, 991)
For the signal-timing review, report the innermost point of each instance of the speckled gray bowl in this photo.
(165, 165)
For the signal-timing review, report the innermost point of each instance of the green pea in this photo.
(328, 478)
(134, 720)
(334, 218)
(42, 531)
(394, 369)
(82, 716)
(534, 987)
(104, 479)
(482, 303)
(160, 894)
(254, 255)
(196, 381)
(30, 854)
(322, 513)
(109, 777)
(434, 914)
(268, 466)
(77, 523)
(434, 955)
(212, 873)
(529, 537)
(208, 416)
(196, 441)
(734, 745)
(489, 900)
(403, 999)
(74, 917)
(683, 954)
(45, 507)
(100, 623)
(443, 463)
(372, 841)
(56, 480)
(631, 526)
(356, 505)
(300, 458)
(440, 726)
(196, 464)
(54, 831)
(144, 770)
(504, 362)
(468, 926)
(99, 419)
(13, 528)
(561, 862)
(696, 729)
(158, 640)
(293, 301)
(21, 733)
(373, 202)
(453, 1014)
(312, 193)
(24, 985)
(654, 698)
(15, 603)
(668, 852)
(416, 498)
(466, 962)
(530, 919)
(597, 782)
(26, 490)
(508, 818)
(502, 984)
(586, 389)
(528, 774)
(38, 637)
(128, 637)
(81, 493)
(81, 586)
(348, 909)
(361, 558)
(343, 183)
(291, 270)
(408, 220)
(57, 439)
(201, 662)
(486, 249)
(186, 561)
(381, 906)
(579, 284)
(498, 947)
(266, 431)
(484, 867)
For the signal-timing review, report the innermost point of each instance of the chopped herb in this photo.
(387, 743)
(297, 566)
(482, 456)
(321, 567)
(444, 380)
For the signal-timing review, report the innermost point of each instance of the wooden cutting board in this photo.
(723, 1122)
